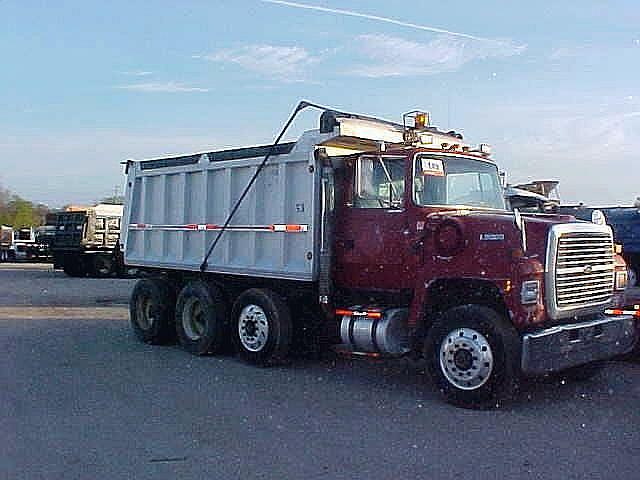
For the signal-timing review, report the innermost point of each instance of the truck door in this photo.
(371, 233)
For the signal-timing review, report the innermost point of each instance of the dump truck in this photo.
(6, 243)
(384, 239)
(85, 240)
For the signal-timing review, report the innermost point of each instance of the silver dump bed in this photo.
(175, 208)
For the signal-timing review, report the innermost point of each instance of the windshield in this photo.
(440, 180)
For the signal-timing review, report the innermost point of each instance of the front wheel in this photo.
(472, 355)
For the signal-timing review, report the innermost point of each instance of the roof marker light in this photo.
(426, 139)
(421, 120)
(485, 148)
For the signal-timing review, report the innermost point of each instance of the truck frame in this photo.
(385, 239)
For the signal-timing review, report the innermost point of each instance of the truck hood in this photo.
(492, 237)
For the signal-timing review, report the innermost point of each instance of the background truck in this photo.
(385, 239)
(534, 197)
(542, 196)
(625, 222)
(6, 243)
(25, 247)
(85, 241)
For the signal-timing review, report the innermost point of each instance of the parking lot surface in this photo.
(80, 398)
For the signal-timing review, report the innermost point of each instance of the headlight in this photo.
(621, 279)
(530, 291)
(598, 217)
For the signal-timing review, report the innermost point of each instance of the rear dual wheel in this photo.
(202, 318)
(151, 310)
(259, 326)
(262, 327)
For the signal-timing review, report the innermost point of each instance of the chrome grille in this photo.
(582, 268)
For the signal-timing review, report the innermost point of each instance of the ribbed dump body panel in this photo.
(176, 209)
(580, 269)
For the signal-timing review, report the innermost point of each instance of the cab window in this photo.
(379, 182)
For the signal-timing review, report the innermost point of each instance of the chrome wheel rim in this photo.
(253, 328)
(145, 312)
(194, 323)
(466, 359)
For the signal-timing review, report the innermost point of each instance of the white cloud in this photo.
(393, 56)
(137, 73)
(591, 149)
(288, 64)
(161, 87)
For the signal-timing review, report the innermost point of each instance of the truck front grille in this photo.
(581, 262)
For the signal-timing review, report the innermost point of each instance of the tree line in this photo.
(17, 212)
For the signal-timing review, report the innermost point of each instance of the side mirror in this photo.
(519, 221)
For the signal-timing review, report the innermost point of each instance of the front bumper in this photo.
(564, 346)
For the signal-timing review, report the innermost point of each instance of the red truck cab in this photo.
(483, 294)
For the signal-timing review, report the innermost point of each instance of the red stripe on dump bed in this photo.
(286, 228)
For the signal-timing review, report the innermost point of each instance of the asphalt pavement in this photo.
(80, 398)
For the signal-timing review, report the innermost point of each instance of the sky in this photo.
(84, 85)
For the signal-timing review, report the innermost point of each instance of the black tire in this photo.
(102, 266)
(151, 311)
(202, 319)
(74, 268)
(260, 311)
(581, 373)
(473, 356)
